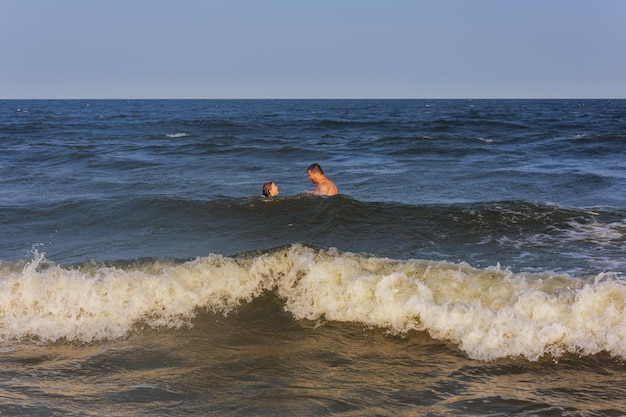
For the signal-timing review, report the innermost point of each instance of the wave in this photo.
(523, 236)
(176, 135)
(489, 313)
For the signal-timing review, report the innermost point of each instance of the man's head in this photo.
(315, 173)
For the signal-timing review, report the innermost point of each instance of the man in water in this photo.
(324, 186)
(270, 189)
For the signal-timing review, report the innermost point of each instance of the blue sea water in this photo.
(473, 262)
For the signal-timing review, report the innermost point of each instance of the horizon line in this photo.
(314, 98)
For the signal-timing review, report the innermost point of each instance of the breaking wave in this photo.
(489, 313)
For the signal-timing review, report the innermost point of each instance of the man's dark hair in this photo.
(315, 168)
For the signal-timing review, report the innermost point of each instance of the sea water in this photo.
(472, 264)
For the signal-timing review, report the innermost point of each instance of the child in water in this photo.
(270, 189)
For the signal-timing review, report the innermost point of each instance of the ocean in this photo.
(473, 262)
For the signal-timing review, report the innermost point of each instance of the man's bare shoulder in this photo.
(326, 187)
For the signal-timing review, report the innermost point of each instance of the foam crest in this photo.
(489, 313)
(48, 303)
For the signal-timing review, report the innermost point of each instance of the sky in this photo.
(215, 49)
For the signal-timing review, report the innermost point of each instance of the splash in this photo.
(489, 313)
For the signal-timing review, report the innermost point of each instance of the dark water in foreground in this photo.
(472, 264)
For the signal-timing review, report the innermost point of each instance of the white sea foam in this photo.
(176, 135)
(600, 233)
(489, 313)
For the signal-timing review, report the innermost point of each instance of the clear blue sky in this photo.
(312, 48)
